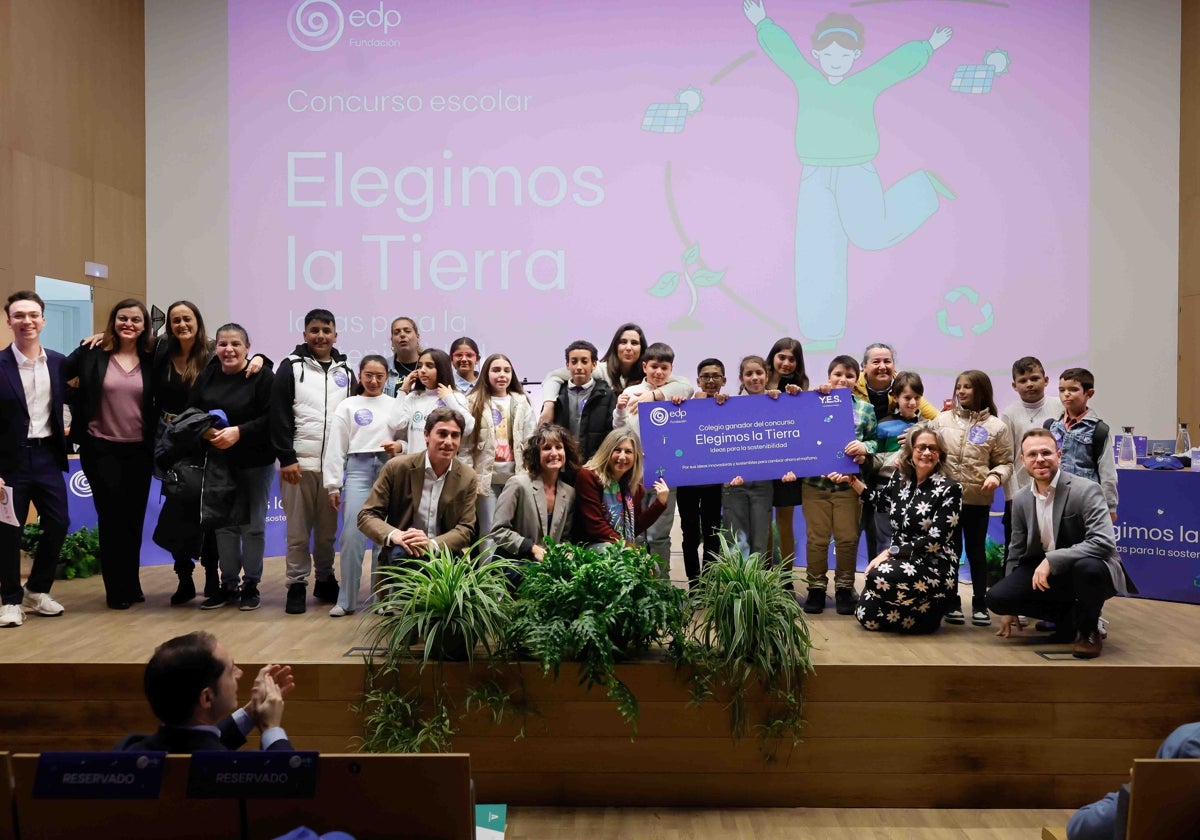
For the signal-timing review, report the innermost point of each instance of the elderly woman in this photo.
(537, 504)
(912, 583)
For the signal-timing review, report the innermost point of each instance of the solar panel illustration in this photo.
(665, 118)
(973, 78)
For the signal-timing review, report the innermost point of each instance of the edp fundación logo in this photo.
(317, 25)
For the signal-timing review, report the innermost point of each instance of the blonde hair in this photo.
(599, 461)
(904, 463)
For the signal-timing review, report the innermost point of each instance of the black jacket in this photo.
(595, 422)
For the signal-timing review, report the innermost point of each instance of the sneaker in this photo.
(249, 598)
(223, 597)
(845, 600)
(980, 618)
(41, 603)
(955, 616)
(326, 590)
(337, 612)
(1088, 645)
(814, 604)
(295, 599)
(11, 615)
(1102, 627)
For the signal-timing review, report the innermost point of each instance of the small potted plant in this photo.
(450, 601)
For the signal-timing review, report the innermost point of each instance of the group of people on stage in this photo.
(424, 448)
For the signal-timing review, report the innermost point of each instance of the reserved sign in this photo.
(99, 775)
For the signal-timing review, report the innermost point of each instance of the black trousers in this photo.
(1075, 597)
(36, 479)
(699, 509)
(972, 533)
(119, 474)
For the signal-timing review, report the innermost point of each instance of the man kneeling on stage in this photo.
(1063, 543)
(192, 683)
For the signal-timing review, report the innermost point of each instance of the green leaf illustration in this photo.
(704, 277)
(691, 254)
(665, 285)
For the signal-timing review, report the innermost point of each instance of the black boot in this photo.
(186, 590)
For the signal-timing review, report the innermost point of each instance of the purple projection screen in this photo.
(530, 173)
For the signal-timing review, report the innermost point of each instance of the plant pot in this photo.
(448, 647)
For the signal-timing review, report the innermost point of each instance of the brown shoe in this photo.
(1088, 645)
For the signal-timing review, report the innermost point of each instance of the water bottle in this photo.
(1183, 441)
(1126, 453)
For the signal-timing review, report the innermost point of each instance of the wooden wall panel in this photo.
(52, 232)
(120, 238)
(50, 46)
(6, 199)
(1188, 381)
(117, 81)
(5, 78)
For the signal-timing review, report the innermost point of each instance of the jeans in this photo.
(362, 469)
(973, 536)
(658, 535)
(747, 512)
(485, 512)
(240, 547)
(842, 204)
(309, 516)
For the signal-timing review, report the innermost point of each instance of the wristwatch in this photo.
(894, 550)
(900, 551)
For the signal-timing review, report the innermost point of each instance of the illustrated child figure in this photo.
(1085, 439)
(907, 392)
(1030, 411)
(657, 362)
(841, 198)
(700, 504)
(832, 510)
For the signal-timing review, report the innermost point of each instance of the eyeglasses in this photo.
(710, 377)
(925, 447)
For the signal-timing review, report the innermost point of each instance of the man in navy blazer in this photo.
(33, 458)
(192, 683)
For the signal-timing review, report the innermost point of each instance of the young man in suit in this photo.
(1065, 550)
(33, 458)
(585, 406)
(425, 500)
(192, 683)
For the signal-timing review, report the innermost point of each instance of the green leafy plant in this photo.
(996, 556)
(80, 553)
(397, 721)
(749, 634)
(31, 535)
(596, 607)
(451, 602)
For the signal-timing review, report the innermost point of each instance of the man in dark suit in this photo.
(427, 499)
(585, 404)
(1065, 550)
(33, 458)
(192, 683)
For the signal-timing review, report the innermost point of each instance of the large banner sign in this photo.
(531, 173)
(1158, 532)
(756, 437)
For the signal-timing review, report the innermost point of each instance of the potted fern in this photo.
(597, 607)
(451, 602)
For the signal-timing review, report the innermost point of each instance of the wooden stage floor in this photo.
(960, 719)
(1142, 633)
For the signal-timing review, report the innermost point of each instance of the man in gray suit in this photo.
(1065, 550)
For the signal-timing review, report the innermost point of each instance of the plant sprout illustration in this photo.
(695, 276)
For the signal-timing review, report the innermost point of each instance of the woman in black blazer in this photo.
(113, 421)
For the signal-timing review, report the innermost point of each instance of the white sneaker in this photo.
(1102, 627)
(337, 612)
(41, 603)
(11, 615)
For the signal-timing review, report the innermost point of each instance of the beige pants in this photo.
(831, 513)
(310, 517)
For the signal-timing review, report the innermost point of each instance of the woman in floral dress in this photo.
(912, 583)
